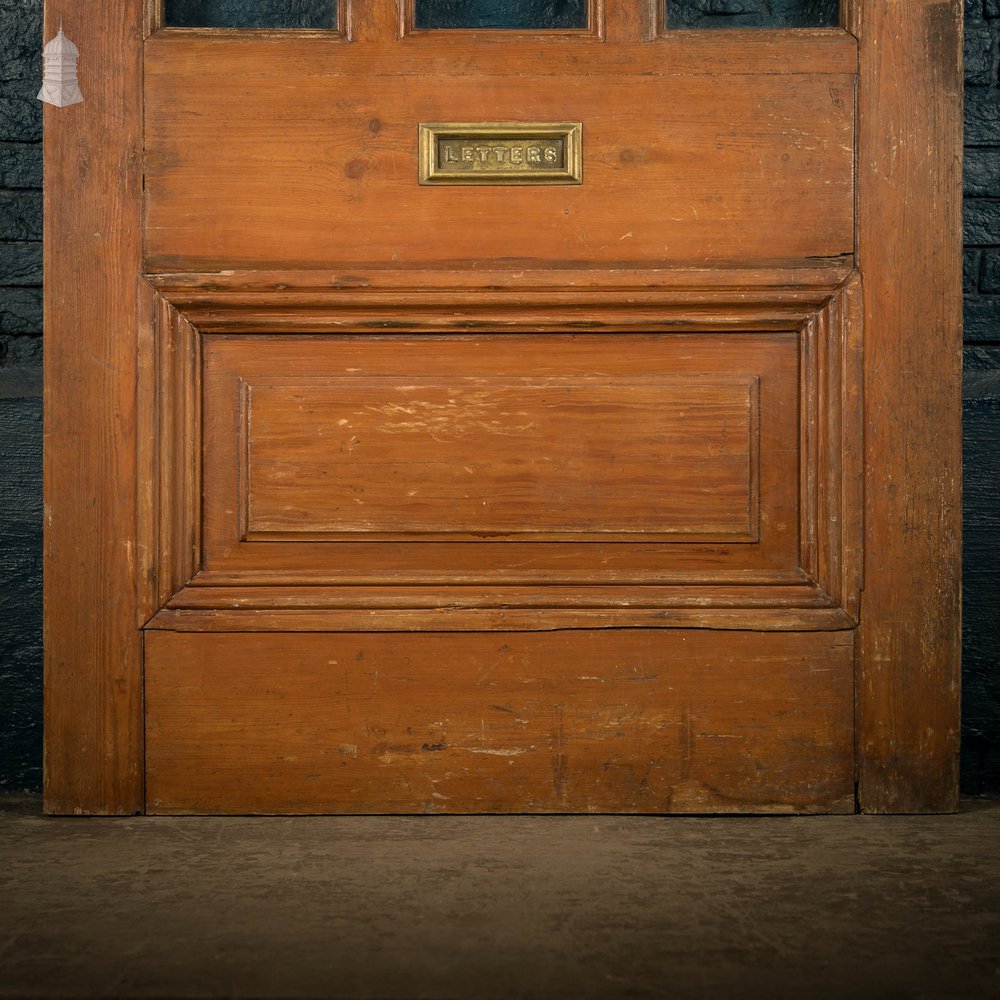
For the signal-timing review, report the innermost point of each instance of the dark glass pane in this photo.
(530, 15)
(250, 13)
(753, 13)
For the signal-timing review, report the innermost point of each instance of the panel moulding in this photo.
(820, 305)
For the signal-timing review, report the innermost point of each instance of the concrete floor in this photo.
(488, 907)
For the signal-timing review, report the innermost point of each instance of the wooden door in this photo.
(504, 421)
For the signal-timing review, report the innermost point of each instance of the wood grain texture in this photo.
(233, 611)
(632, 722)
(488, 456)
(909, 243)
(289, 579)
(373, 20)
(283, 217)
(287, 153)
(614, 299)
(426, 567)
(169, 452)
(93, 653)
(751, 53)
(832, 467)
(534, 533)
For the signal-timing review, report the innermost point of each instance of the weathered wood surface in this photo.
(286, 153)
(535, 299)
(631, 721)
(93, 652)
(494, 455)
(752, 53)
(805, 420)
(910, 183)
(252, 390)
(280, 176)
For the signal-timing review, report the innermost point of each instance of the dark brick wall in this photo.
(20, 397)
(20, 365)
(981, 577)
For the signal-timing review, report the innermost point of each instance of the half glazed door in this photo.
(559, 419)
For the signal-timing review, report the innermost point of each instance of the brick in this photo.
(20, 165)
(980, 56)
(982, 318)
(20, 368)
(982, 172)
(25, 87)
(20, 310)
(20, 352)
(20, 40)
(20, 119)
(971, 263)
(978, 360)
(20, 215)
(981, 222)
(981, 572)
(982, 118)
(981, 392)
(20, 593)
(20, 264)
(990, 277)
(20, 466)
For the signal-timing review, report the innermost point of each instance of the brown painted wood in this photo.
(640, 721)
(373, 20)
(251, 580)
(487, 456)
(538, 298)
(229, 612)
(93, 653)
(771, 52)
(284, 153)
(909, 244)
(491, 440)
(711, 285)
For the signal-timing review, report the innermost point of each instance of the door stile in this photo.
(373, 20)
(909, 250)
(93, 254)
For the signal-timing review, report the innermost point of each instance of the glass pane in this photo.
(529, 15)
(753, 13)
(250, 13)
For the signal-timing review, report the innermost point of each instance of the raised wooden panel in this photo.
(301, 154)
(703, 473)
(634, 721)
(487, 456)
(591, 455)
